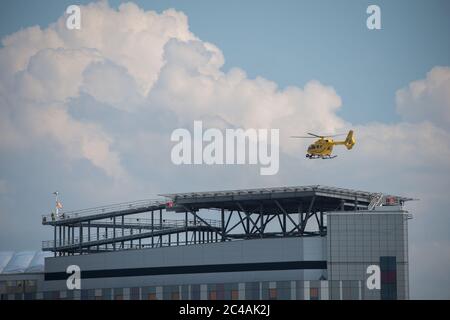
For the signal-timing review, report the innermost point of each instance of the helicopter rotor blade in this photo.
(302, 137)
(314, 135)
(337, 135)
(327, 136)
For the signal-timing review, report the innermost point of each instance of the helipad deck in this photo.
(239, 214)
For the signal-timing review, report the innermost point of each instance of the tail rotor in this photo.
(350, 140)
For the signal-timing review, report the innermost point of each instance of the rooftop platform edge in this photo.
(277, 190)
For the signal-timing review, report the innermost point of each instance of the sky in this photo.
(299, 66)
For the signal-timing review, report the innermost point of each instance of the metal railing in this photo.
(376, 201)
(135, 223)
(119, 232)
(104, 209)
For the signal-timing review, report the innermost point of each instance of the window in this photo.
(195, 292)
(30, 283)
(388, 266)
(30, 286)
(2, 287)
(106, 294)
(134, 293)
(234, 295)
(314, 293)
(220, 291)
(213, 295)
(14, 286)
(152, 296)
(175, 296)
(118, 297)
(272, 294)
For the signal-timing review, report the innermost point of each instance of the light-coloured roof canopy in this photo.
(22, 262)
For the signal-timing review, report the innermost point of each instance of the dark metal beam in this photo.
(222, 222)
(248, 219)
(286, 214)
(228, 221)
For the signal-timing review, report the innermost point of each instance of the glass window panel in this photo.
(273, 294)
(213, 295)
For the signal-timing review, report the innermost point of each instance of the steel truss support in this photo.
(240, 220)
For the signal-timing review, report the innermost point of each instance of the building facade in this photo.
(330, 257)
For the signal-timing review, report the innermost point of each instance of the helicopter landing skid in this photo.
(313, 156)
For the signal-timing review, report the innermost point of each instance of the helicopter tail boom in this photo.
(349, 142)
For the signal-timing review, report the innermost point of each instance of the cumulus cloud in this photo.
(119, 91)
(115, 58)
(192, 85)
(427, 99)
(112, 92)
(138, 61)
(410, 145)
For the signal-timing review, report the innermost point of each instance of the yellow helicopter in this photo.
(322, 148)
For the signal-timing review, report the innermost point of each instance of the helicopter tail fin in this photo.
(350, 140)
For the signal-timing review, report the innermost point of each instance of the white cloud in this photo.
(79, 140)
(54, 75)
(131, 60)
(116, 57)
(427, 99)
(407, 145)
(130, 37)
(111, 84)
(192, 85)
(150, 65)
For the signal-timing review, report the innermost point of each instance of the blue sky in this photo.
(292, 42)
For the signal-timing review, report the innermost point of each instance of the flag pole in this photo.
(56, 203)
